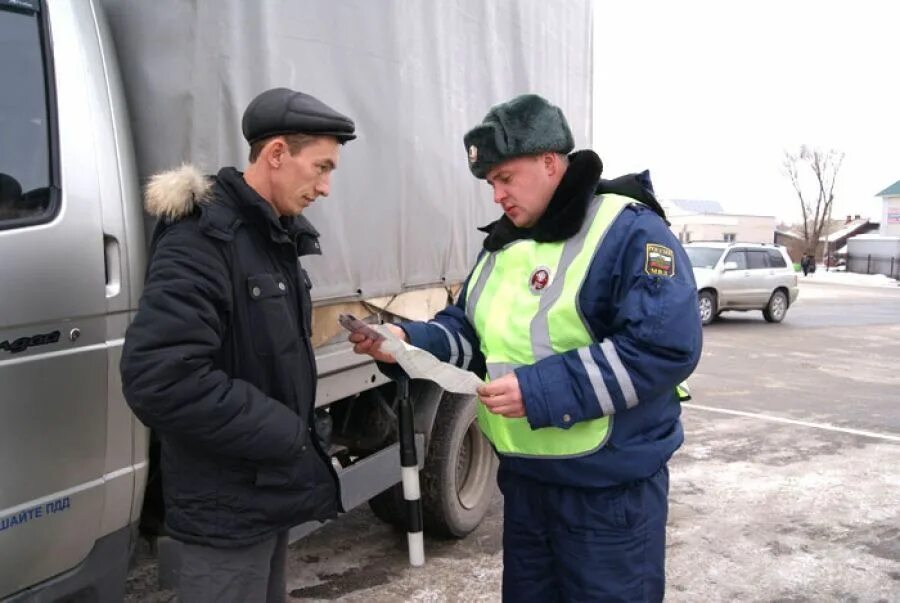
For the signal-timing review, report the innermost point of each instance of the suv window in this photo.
(776, 260)
(757, 258)
(24, 129)
(703, 257)
(738, 256)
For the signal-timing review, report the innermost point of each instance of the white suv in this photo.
(743, 276)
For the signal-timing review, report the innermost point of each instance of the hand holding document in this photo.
(355, 325)
(365, 339)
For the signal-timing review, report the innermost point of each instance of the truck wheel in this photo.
(460, 470)
(457, 482)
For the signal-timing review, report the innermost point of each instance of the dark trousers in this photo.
(251, 574)
(577, 544)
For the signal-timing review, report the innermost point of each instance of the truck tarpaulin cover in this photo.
(415, 76)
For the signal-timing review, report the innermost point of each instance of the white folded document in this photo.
(420, 364)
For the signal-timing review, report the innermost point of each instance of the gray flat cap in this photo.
(284, 111)
(525, 125)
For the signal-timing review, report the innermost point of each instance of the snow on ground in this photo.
(849, 278)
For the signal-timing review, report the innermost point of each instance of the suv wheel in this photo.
(707, 304)
(776, 308)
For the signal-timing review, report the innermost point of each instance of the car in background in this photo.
(742, 276)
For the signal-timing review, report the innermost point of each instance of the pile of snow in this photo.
(850, 278)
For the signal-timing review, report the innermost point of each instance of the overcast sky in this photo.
(708, 94)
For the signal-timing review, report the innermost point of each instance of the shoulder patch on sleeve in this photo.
(660, 260)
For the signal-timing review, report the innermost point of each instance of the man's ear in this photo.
(551, 163)
(273, 152)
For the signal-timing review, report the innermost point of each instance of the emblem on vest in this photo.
(540, 278)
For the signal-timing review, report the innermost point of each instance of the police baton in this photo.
(409, 467)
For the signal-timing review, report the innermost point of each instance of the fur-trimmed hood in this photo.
(224, 203)
(176, 193)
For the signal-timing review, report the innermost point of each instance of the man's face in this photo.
(303, 177)
(523, 187)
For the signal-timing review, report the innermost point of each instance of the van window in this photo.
(776, 260)
(757, 259)
(24, 130)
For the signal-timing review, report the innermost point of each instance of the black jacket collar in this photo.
(565, 212)
(238, 203)
(567, 209)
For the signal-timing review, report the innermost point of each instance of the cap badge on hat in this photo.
(539, 279)
(473, 154)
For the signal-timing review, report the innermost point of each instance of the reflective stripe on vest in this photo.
(521, 319)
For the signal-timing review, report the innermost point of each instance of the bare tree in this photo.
(813, 173)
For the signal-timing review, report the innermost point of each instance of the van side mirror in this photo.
(730, 266)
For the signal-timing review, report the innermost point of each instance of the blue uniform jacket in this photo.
(654, 325)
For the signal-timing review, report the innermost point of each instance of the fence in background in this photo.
(873, 264)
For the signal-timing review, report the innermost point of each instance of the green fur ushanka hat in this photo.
(525, 125)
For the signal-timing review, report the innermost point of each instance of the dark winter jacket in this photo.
(218, 362)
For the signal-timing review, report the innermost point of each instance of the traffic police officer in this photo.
(582, 311)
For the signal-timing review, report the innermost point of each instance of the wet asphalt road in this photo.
(795, 499)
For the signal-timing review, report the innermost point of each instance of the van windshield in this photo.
(25, 139)
(704, 257)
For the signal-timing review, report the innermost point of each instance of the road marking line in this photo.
(824, 426)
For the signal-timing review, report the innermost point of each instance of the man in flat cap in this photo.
(581, 312)
(218, 360)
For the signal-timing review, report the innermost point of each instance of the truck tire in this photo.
(460, 470)
(457, 481)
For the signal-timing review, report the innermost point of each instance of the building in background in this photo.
(693, 220)
(834, 245)
(879, 253)
(792, 241)
(890, 212)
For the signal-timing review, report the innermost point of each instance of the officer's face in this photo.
(524, 186)
(304, 176)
